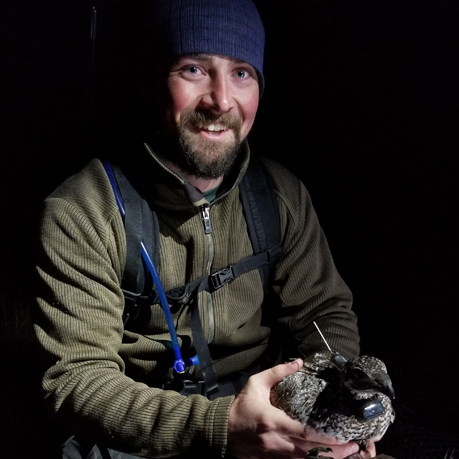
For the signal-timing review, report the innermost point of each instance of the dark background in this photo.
(361, 101)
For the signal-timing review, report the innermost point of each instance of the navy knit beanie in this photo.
(229, 27)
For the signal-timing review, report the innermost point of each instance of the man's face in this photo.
(211, 106)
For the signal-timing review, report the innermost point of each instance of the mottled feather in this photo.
(352, 402)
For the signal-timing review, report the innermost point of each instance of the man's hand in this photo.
(367, 454)
(256, 429)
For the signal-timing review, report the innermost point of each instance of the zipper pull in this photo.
(205, 213)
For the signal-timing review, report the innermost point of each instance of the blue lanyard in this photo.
(179, 364)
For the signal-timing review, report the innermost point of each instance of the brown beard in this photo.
(200, 157)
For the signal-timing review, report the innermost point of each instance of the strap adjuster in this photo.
(222, 277)
(193, 387)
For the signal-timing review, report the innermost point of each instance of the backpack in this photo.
(142, 231)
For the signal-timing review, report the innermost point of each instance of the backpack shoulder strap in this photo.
(262, 214)
(141, 224)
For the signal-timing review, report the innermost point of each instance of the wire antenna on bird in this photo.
(336, 358)
(323, 337)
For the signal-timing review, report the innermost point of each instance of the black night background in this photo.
(361, 102)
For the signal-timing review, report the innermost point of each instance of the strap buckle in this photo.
(193, 387)
(222, 277)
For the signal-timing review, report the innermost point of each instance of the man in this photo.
(107, 384)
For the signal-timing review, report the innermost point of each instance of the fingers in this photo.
(256, 429)
(313, 435)
(269, 378)
(368, 453)
(371, 448)
(287, 426)
(285, 369)
(347, 450)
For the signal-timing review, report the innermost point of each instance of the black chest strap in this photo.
(141, 224)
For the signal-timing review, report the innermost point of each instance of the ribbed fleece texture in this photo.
(100, 380)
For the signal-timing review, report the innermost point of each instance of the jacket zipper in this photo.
(205, 214)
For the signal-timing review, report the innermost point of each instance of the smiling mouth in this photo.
(213, 127)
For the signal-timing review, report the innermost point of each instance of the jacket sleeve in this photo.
(78, 325)
(307, 281)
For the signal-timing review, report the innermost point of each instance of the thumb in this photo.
(267, 379)
(277, 373)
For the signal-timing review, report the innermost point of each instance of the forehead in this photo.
(210, 58)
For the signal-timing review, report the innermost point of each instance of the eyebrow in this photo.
(208, 57)
(197, 56)
(200, 56)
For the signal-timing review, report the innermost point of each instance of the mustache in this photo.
(202, 117)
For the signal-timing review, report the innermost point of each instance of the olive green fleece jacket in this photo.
(103, 382)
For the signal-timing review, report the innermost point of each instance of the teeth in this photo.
(213, 127)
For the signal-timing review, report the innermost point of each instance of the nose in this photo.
(218, 97)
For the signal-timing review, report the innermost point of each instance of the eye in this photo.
(193, 69)
(242, 74)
